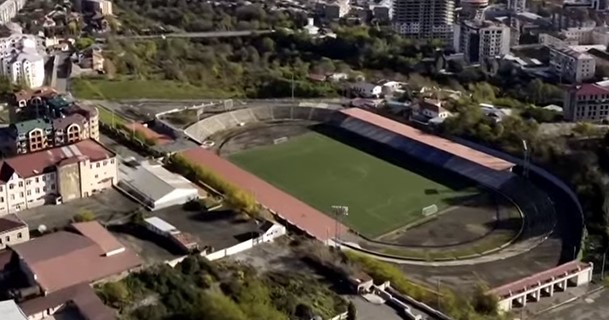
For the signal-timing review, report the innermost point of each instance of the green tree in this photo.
(84, 43)
(115, 293)
(216, 306)
(84, 216)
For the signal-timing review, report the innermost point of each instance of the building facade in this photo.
(571, 65)
(44, 122)
(21, 60)
(13, 231)
(478, 40)
(424, 19)
(9, 9)
(56, 175)
(586, 102)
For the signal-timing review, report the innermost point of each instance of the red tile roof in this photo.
(63, 259)
(160, 139)
(535, 280)
(454, 148)
(94, 231)
(81, 295)
(32, 164)
(591, 89)
(11, 222)
(287, 207)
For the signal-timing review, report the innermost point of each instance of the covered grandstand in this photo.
(489, 171)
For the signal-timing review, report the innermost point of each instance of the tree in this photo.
(483, 302)
(84, 216)
(351, 311)
(83, 43)
(115, 293)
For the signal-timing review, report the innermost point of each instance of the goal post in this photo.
(280, 140)
(429, 210)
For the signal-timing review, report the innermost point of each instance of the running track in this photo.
(294, 211)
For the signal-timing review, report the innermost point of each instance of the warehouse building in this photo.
(155, 186)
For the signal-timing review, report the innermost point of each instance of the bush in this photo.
(236, 197)
(84, 216)
(115, 294)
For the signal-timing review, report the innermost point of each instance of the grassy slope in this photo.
(324, 172)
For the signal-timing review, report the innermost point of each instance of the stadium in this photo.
(378, 185)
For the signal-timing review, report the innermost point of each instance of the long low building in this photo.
(156, 186)
(546, 283)
(56, 175)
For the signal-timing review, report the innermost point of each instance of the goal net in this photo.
(429, 210)
(280, 140)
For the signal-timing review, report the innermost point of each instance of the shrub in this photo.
(84, 216)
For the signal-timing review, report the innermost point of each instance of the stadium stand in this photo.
(487, 170)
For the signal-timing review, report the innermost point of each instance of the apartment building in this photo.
(478, 40)
(571, 65)
(13, 231)
(424, 19)
(45, 121)
(21, 60)
(587, 102)
(56, 175)
(9, 9)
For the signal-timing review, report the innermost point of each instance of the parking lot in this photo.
(107, 206)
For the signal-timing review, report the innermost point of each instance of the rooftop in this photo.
(161, 224)
(11, 222)
(568, 51)
(94, 231)
(32, 164)
(437, 142)
(63, 259)
(154, 181)
(81, 296)
(10, 311)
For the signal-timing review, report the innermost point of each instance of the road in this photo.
(211, 34)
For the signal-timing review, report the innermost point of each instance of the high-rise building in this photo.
(571, 65)
(482, 39)
(21, 60)
(424, 19)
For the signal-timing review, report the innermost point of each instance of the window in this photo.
(1, 199)
(105, 162)
(37, 190)
(7, 238)
(11, 186)
(20, 183)
(97, 165)
(96, 176)
(52, 186)
(44, 189)
(111, 161)
(29, 182)
(19, 236)
(20, 194)
(29, 192)
(37, 179)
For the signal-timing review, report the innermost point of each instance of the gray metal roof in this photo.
(153, 181)
(10, 311)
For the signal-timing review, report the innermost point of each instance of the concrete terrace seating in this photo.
(244, 116)
(282, 113)
(228, 120)
(263, 113)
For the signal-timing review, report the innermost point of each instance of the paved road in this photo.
(212, 34)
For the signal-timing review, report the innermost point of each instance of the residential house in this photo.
(85, 253)
(431, 108)
(587, 102)
(55, 175)
(48, 122)
(13, 231)
(76, 301)
(367, 90)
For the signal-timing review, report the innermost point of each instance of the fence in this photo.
(272, 234)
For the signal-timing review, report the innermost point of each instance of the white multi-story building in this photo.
(55, 175)
(587, 102)
(571, 65)
(9, 9)
(424, 19)
(21, 61)
(482, 39)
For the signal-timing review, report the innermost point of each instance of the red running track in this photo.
(294, 211)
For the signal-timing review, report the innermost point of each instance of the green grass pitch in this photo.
(323, 172)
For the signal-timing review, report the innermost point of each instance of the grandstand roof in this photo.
(434, 141)
(537, 279)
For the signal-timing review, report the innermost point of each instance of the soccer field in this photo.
(323, 172)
